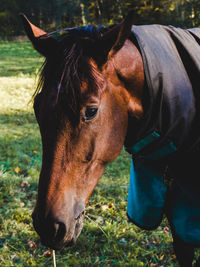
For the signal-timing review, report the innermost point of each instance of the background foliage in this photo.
(52, 14)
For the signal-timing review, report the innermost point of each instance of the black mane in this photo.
(63, 72)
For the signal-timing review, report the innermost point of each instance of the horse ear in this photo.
(41, 40)
(114, 39)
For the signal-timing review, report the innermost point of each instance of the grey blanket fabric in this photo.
(171, 58)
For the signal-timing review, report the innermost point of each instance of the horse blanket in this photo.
(165, 143)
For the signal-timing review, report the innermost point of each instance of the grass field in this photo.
(107, 238)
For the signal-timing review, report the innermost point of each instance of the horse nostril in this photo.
(60, 230)
(50, 229)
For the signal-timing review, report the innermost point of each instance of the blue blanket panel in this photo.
(148, 200)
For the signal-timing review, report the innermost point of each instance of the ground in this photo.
(107, 239)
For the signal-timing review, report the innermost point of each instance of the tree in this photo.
(53, 14)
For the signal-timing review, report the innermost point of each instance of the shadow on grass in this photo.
(17, 118)
(20, 143)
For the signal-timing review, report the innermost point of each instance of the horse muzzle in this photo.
(57, 232)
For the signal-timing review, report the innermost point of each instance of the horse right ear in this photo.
(41, 40)
(113, 40)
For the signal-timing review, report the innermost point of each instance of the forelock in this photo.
(64, 71)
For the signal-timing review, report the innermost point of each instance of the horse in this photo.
(94, 97)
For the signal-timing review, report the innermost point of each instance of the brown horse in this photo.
(91, 84)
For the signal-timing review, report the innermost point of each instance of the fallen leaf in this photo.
(99, 220)
(166, 229)
(13, 256)
(17, 170)
(47, 253)
(104, 207)
(110, 205)
(25, 183)
(32, 244)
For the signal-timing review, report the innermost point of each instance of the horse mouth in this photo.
(77, 230)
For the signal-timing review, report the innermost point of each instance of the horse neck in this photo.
(128, 72)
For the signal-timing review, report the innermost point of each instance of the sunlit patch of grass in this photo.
(16, 92)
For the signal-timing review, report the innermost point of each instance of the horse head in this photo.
(91, 81)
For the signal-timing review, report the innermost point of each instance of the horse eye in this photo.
(90, 113)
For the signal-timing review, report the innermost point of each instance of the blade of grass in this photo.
(86, 216)
(54, 257)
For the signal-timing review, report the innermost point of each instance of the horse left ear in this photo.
(114, 39)
(41, 40)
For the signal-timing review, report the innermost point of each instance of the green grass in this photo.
(18, 58)
(106, 240)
